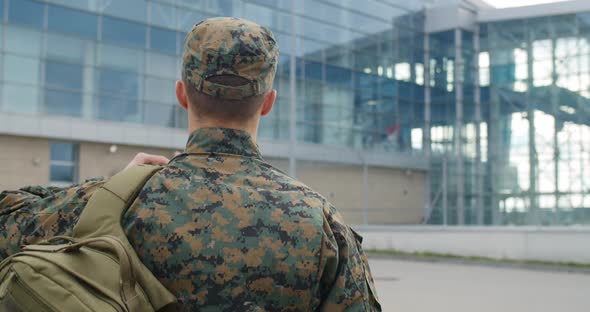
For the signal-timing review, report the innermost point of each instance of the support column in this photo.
(495, 149)
(555, 110)
(445, 191)
(426, 144)
(479, 203)
(365, 192)
(459, 67)
(293, 99)
(532, 193)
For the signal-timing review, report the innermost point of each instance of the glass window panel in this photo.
(72, 22)
(25, 12)
(163, 40)
(117, 109)
(188, 18)
(123, 58)
(19, 98)
(123, 32)
(267, 17)
(86, 5)
(72, 49)
(326, 33)
(128, 9)
(286, 43)
(61, 173)
(162, 66)
(159, 90)
(62, 152)
(22, 41)
(181, 117)
(63, 103)
(338, 75)
(118, 83)
(163, 15)
(180, 41)
(159, 114)
(21, 69)
(63, 75)
(218, 7)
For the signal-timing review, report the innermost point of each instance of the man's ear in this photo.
(181, 95)
(269, 101)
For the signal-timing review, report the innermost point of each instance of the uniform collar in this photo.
(222, 141)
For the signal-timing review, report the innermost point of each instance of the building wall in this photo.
(395, 195)
(23, 161)
(97, 160)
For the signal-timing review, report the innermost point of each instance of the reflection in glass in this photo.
(62, 20)
(128, 9)
(70, 48)
(163, 40)
(118, 83)
(21, 69)
(61, 173)
(63, 75)
(118, 109)
(123, 32)
(62, 152)
(19, 98)
(122, 58)
(159, 114)
(26, 12)
(63, 103)
(22, 41)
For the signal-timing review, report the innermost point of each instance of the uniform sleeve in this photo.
(33, 213)
(346, 283)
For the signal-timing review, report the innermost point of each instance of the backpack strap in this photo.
(102, 217)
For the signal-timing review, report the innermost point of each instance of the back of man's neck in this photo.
(200, 124)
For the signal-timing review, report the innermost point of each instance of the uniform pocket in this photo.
(375, 305)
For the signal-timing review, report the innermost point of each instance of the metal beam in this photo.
(293, 100)
(365, 193)
(460, 172)
(533, 203)
(555, 110)
(426, 144)
(479, 203)
(495, 167)
(445, 191)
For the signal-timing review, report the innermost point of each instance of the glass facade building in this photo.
(118, 60)
(498, 107)
(537, 91)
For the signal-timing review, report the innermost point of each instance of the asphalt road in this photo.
(439, 287)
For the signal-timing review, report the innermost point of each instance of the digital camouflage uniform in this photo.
(222, 229)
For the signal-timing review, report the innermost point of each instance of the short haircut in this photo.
(206, 105)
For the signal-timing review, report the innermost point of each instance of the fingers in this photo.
(154, 159)
(147, 159)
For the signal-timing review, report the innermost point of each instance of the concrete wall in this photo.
(395, 196)
(23, 161)
(97, 160)
(561, 244)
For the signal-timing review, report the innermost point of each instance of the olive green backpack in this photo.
(95, 270)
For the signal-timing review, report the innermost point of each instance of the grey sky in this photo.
(514, 3)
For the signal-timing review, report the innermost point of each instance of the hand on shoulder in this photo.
(147, 159)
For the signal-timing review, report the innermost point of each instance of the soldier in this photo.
(222, 229)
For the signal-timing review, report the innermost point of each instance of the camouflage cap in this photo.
(230, 46)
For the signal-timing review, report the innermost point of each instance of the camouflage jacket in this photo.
(220, 228)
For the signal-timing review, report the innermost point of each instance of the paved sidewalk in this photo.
(432, 287)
